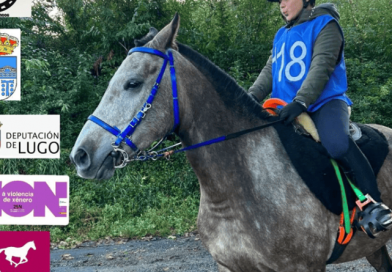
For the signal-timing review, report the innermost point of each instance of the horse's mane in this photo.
(234, 96)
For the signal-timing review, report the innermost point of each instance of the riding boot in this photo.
(375, 216)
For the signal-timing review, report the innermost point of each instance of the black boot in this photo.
(375, 216)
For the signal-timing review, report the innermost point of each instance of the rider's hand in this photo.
(291, 111)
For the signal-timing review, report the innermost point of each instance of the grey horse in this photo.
(249, 218)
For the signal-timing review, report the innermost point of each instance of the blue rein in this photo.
(125, 135)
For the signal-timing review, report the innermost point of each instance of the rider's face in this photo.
(290, 8)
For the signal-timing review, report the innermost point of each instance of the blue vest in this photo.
(292, 57)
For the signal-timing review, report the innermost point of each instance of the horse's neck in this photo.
(204, 115)
(28, 245)
(221, 168)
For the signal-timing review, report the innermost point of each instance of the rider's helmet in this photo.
(311, 2)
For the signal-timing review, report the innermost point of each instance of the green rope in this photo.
(346, 213)
(359, 194)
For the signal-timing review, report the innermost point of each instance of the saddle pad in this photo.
(313, 164)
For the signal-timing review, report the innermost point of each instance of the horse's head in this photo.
(31, 245)
(128, 99)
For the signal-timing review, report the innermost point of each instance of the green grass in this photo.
(150, 198)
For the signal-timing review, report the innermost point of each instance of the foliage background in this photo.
(161, 198)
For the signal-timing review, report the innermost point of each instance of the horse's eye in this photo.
(132, 84)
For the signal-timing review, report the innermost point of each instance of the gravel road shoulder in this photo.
(155, 254)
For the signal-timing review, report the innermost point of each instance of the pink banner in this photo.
(24, 251)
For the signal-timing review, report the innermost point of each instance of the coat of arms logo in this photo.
(7, 43)
(8, 77)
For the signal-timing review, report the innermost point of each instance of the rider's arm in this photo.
(326, 54)
(263, 84)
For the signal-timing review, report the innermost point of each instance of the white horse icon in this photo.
(20, 252)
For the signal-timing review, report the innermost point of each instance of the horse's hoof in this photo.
(376, 217)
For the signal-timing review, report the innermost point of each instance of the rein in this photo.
(125, 135)
(161, 153)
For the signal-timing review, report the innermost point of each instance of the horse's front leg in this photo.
(22, 261)
(222, 268)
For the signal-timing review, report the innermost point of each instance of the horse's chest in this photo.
(229, 239)
(252, 243)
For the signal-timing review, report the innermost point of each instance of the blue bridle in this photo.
(125, 135)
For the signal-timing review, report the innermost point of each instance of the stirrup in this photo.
(375, 217)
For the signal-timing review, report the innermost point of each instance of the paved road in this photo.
(181, 254)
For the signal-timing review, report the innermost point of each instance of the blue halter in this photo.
(125, 135)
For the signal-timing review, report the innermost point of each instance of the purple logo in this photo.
(19, 199)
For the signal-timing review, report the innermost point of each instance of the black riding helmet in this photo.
(311, 2)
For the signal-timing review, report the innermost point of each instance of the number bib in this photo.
(291, 60)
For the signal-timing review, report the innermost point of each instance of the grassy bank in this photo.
(157, 198)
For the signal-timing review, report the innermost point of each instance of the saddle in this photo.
(312, 161)
(313, 164)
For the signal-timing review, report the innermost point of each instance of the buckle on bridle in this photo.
(146, 108)
(125, 157)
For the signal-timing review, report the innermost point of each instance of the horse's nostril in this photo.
(81, 158)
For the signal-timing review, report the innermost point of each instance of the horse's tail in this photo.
(2, 249)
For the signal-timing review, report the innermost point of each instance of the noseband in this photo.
(125, 135)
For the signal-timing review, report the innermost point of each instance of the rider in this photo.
(307, 70)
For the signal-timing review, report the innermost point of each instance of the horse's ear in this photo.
(150, 35)
(167, 36)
